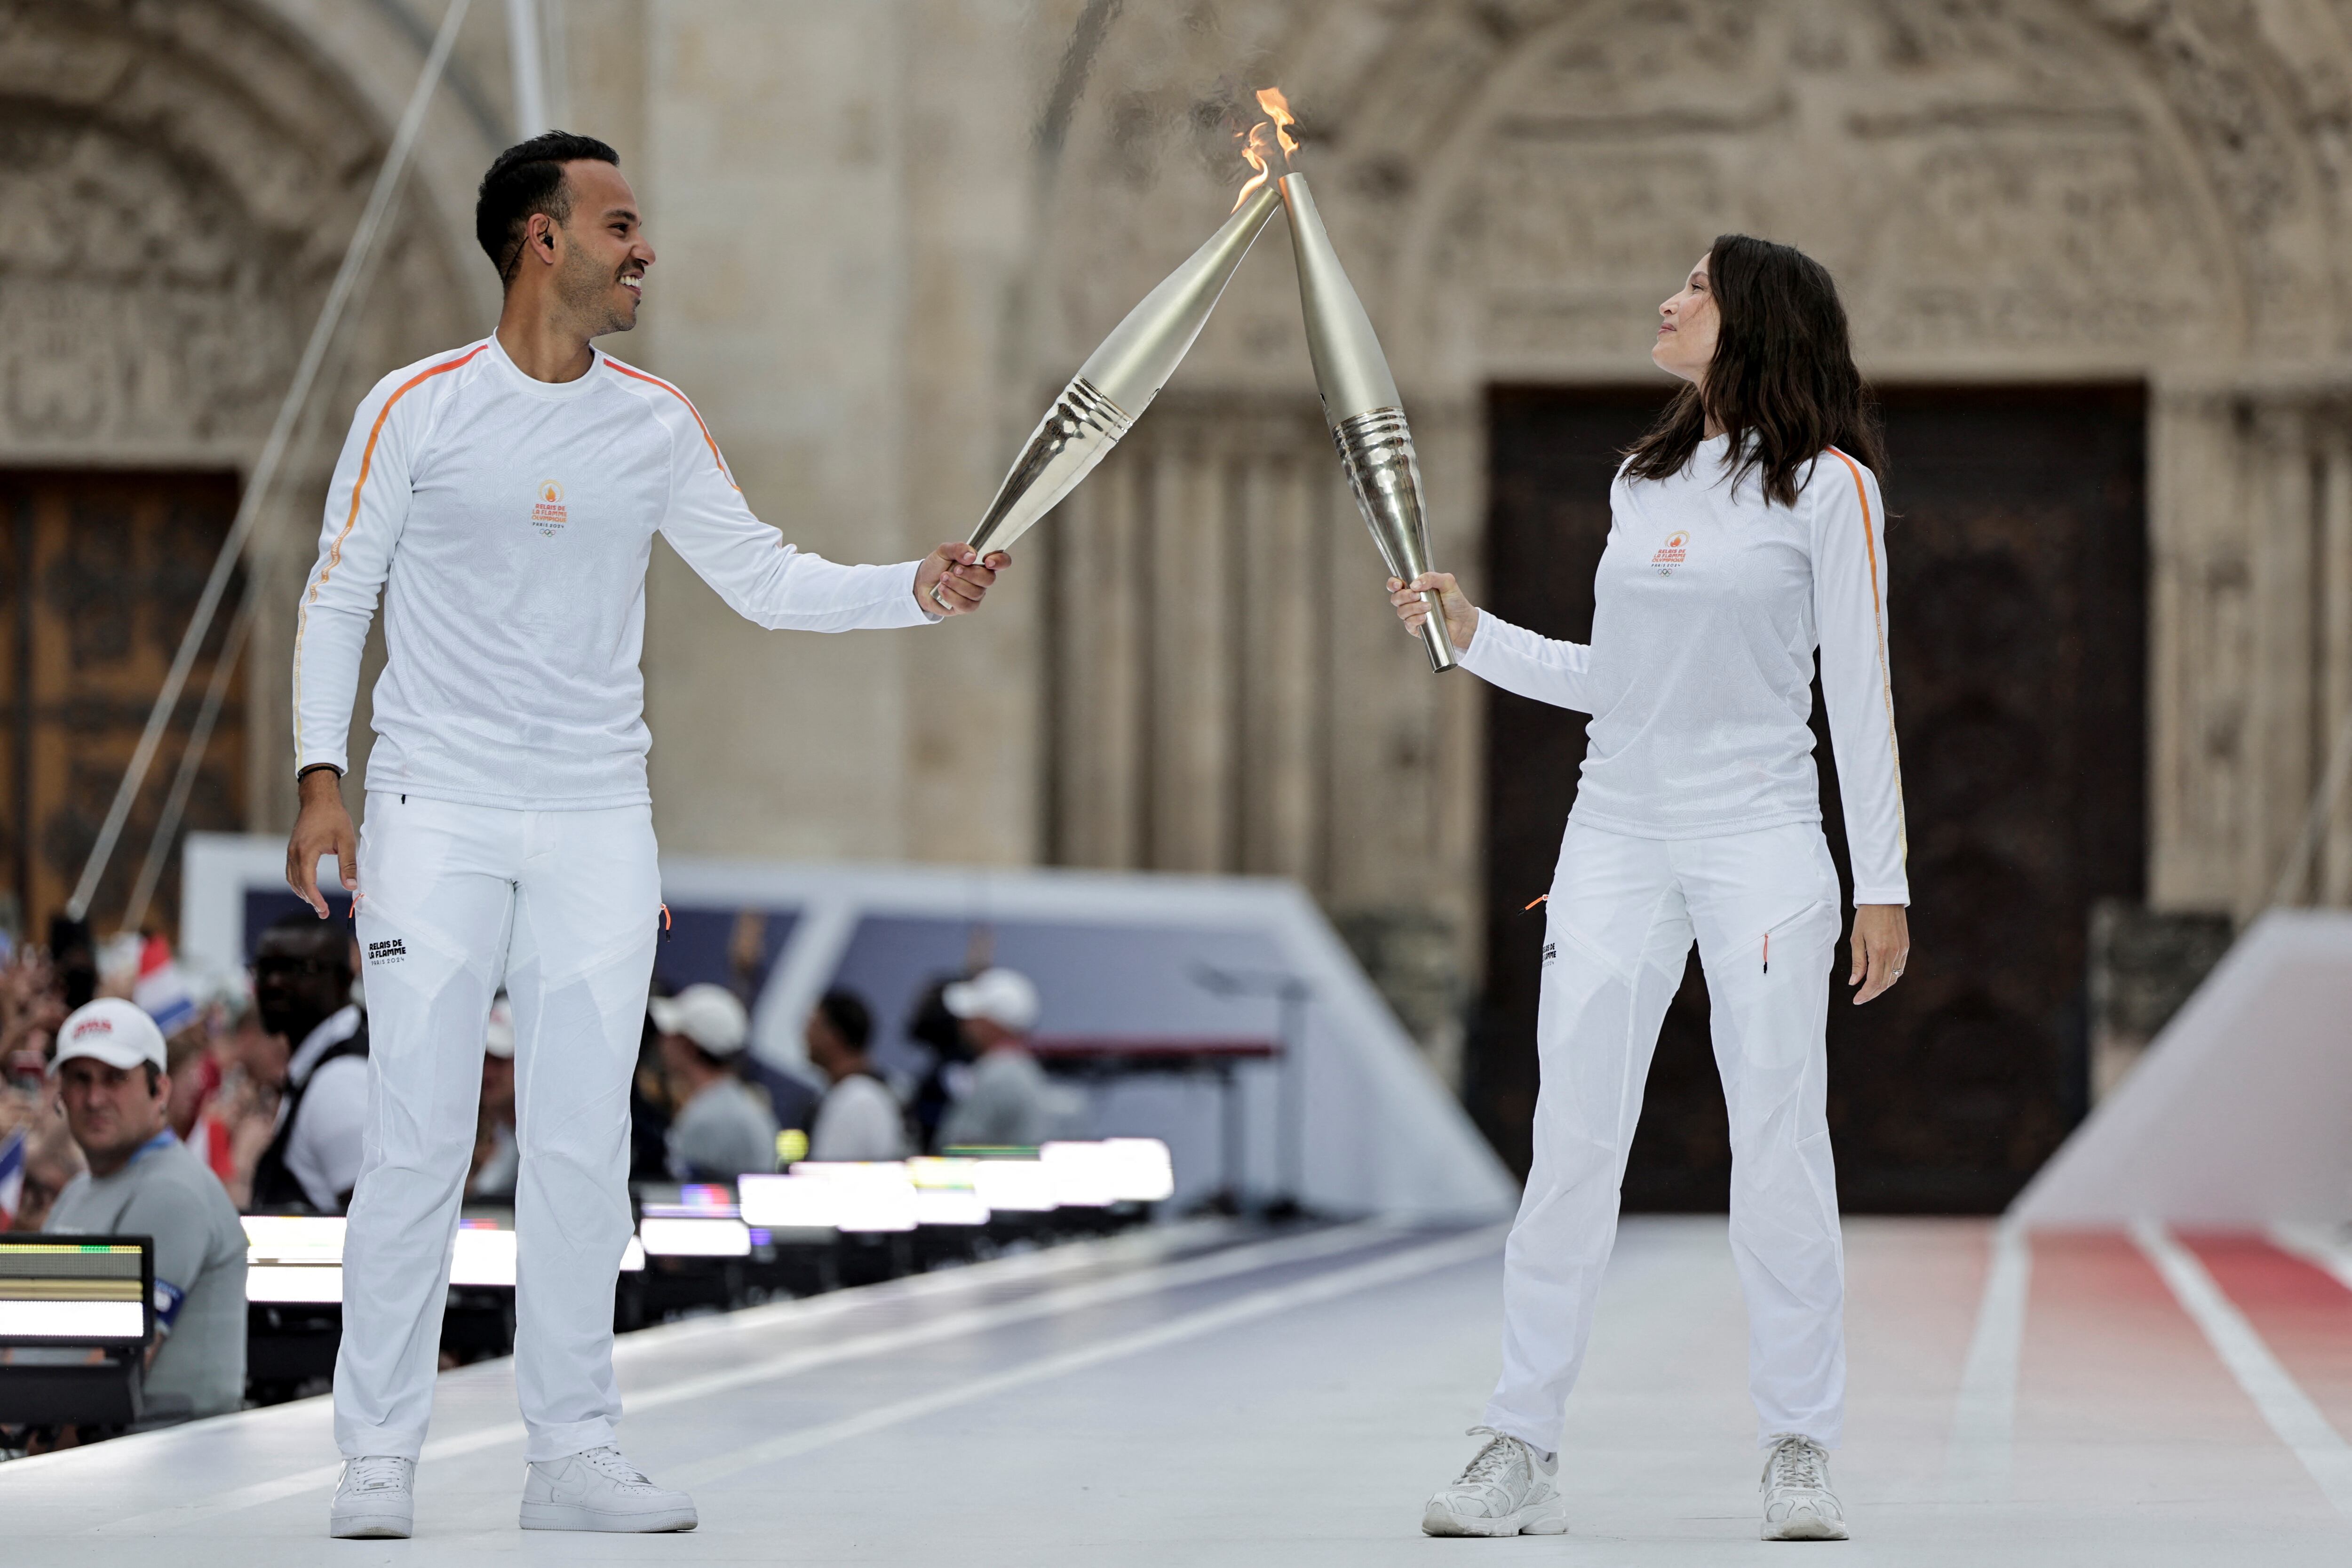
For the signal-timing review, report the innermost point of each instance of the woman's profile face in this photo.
(1687, 325)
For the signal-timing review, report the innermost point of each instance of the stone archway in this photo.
(2041, 191)
(183, 180)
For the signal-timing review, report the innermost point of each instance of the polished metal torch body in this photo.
(1361, 406)
(1119, 379)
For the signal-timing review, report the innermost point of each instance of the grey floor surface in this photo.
(1193, 1399)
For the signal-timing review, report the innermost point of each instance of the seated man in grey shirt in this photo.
(721, 1128)
(143, 1182)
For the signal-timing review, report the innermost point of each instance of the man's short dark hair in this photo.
(846, 1014)
(528, 178)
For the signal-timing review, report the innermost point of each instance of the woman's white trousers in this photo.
(1617, 929)
(563, 908)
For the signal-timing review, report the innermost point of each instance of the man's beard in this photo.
(585, 289)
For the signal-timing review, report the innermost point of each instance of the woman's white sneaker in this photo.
(1507, 1489)
(601, 1490)
(1797, 1502)
(375, 1499)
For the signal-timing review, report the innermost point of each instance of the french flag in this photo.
(12, 1176)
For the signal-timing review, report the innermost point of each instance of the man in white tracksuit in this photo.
(504, 497)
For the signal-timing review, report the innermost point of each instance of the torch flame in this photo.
(1264, 142)
(1257, 151)
(1278, 107)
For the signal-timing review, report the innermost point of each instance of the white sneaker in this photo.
(1507, 1489)
(376, 1499)
(1797, 1502)
(601, 1490)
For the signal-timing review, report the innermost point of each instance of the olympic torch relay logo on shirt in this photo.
(1672, 553)
(546, 514)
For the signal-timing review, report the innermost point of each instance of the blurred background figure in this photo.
(947, 1072)
(32, 1005)
(497, 1155)
(52, 1160)
(142, 1181)
(718, 1129)
(649, 1103)
(312, 1049)
(240, 1122)
(37, 1155)
(1009, 1101)
(859, 1118)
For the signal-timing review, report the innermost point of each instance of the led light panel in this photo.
(695, 1238)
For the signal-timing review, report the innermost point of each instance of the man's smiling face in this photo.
(605, 254)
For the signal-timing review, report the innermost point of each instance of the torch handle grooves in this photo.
(1076, 433)
(1377, 453)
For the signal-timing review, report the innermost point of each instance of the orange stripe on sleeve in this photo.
(1878, 626)
(351, 519)
(690, 408)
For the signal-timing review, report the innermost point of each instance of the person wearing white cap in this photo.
(143, 1181)
(721, 1129)
(1009, 1103)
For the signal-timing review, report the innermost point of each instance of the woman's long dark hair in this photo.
(1784, 374)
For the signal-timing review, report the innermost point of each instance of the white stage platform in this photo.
(1195, 1396)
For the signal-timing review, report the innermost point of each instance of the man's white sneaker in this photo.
(376, 1499)
(1797, 1502)
(601, 1490)
(1507, 1489)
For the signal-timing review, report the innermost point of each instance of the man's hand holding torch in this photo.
(954, 578)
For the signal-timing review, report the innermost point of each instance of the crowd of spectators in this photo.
(137, 1098)
(709, 1109)
(222, 1101)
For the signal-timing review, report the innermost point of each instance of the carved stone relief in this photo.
(2020, 188)
(182, 180)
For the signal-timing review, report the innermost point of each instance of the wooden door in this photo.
(99, 574)
(2018, 576)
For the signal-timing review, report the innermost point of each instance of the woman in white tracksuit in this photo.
(1746, 536)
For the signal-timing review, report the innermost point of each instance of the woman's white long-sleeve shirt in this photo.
(507, 523)
(1708, 609)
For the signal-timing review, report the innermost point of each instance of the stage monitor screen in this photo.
(61, 1290)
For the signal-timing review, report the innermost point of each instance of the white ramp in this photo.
(2239, 1116)
(1355, 1123)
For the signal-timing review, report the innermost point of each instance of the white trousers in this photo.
(563, 907)
(1617, 929)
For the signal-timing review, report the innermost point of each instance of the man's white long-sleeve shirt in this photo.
(1708, 609)
(507, 523)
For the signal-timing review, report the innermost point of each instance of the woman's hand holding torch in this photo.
(1413, 599)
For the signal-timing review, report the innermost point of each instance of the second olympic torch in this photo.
(1361, 406)
(1120, 380)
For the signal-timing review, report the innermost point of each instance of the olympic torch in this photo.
(1361, 406)
(1121, 378)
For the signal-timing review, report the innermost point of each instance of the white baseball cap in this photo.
(111, 1030)
(1002, 996)
(497, 1040)
(707, 1015)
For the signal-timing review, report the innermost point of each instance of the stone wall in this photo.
(2026, 191)
(888, 229)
